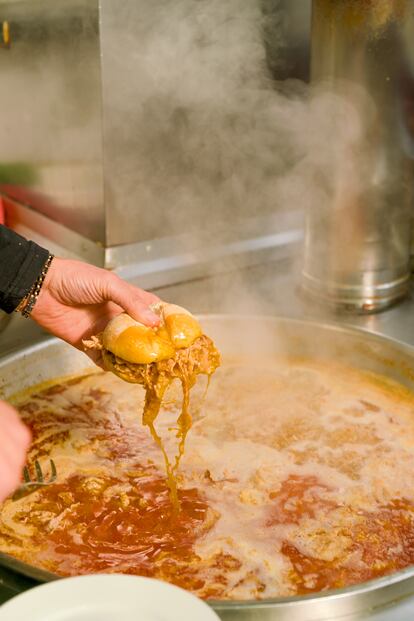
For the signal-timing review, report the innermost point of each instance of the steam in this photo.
(197, 134)
(201, 139)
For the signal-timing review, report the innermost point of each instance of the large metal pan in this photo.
(271, 336)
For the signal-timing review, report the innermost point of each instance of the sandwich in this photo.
(155, 357)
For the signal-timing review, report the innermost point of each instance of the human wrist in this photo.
(27, 304)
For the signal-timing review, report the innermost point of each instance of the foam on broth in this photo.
(298, 478)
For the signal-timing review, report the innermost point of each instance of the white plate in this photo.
(106, 597)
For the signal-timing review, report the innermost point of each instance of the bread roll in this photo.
(182, 327)
(134, 342)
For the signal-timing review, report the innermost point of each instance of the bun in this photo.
(134, 342)
(182, 327)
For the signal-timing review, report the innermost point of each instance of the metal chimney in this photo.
(357, 247)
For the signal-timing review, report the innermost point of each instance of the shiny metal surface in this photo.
(191, 127)
(50, 134)
(152, 120)
(137, 134)
(59, 239)
(359, 232)
(51, 154)
(271, 336)
(169, 260)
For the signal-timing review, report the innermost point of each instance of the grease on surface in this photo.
(299, 478)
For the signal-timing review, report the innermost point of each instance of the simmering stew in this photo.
(298, 477)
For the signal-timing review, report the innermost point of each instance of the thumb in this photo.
(133, 300)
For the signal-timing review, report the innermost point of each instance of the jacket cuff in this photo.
(27, 274)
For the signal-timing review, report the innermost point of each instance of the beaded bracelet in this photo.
(26, 305)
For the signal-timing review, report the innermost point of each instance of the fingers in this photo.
(74, 283)
(12, 426)
(14, 443)
(133, 300)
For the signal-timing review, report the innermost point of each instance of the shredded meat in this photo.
(201, 357)
(95, 342)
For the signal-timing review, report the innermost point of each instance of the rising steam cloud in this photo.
(198, 136)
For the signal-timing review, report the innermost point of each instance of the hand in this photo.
(14, 443)
(77, 300)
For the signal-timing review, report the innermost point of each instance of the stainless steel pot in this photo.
(358, 237)
(270, 336)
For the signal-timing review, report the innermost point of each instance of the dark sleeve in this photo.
(21, 263)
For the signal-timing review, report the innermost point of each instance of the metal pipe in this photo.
(357, 243)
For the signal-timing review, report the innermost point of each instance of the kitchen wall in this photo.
(128, 122)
